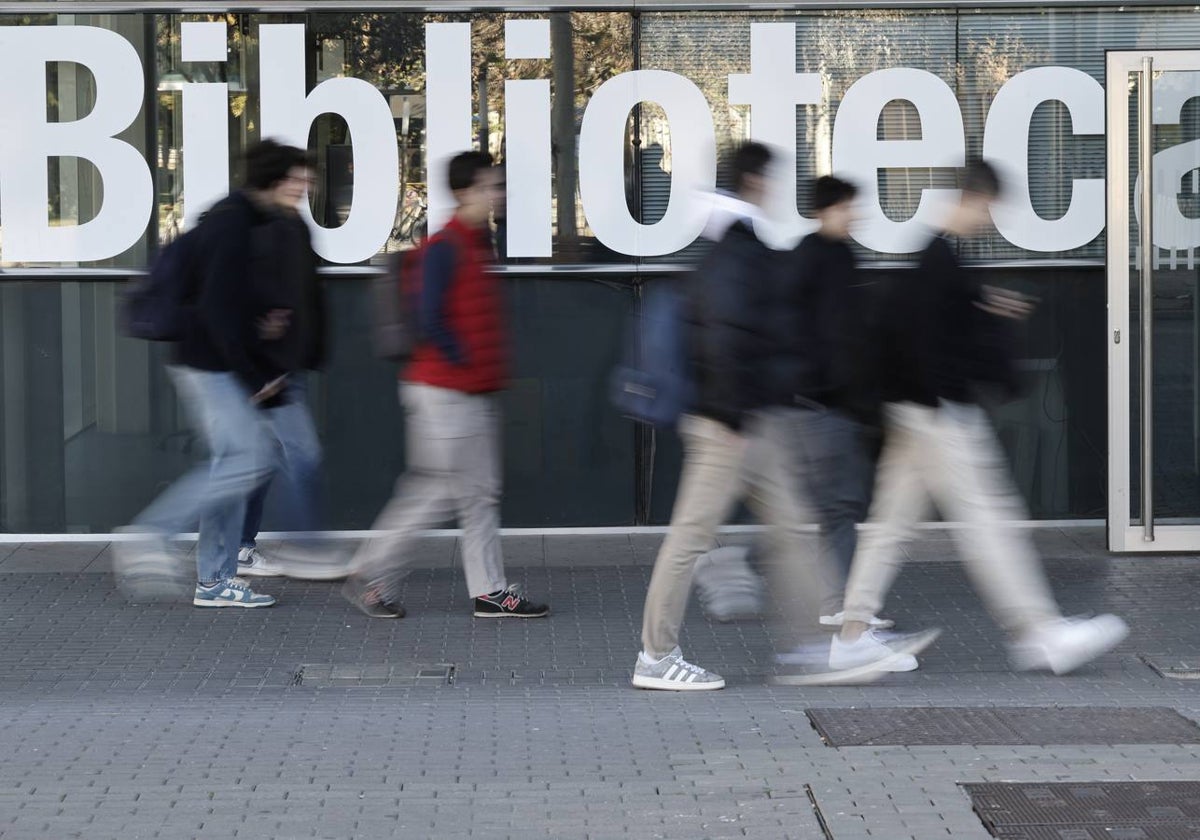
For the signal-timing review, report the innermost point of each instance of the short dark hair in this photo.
(268, 162)
(981, 178)
(465, 167)
(749, 159)
(829, 191)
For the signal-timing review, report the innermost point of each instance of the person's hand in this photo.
(273, 325)
(271, 389)
(1005, 304)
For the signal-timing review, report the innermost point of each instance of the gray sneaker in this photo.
(673, 673)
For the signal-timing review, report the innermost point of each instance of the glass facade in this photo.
(90, 428)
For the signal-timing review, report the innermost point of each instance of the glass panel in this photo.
(1176, 327)
(91, 428)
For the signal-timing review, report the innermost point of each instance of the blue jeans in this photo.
(835, 464)
(240, 459)
(298, 450)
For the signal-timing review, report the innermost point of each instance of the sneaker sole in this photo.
(870, 672)
(511, 615)
(200, 602)
(659, 684)
(861, 675)
(251, 571)
(885, 624)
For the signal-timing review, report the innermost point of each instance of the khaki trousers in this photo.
(950, 455)
(717, 475)
(453, 470)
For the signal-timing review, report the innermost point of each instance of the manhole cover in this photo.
(923, 726)
(1089, 810)
(1173, 668)
(1095, 832)
(373, 676)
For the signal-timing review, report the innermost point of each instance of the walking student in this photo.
(943, 347)
(230, 379)
(294, 335)
(737, 441)
(450, 391)
(824, 372)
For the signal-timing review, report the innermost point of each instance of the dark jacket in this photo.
(728, 297)
(821, 329)
(253, 261)
(464, 344)
(938, 343)
(295, 286)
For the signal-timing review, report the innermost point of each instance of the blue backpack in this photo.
(158, 307)
(652, 385)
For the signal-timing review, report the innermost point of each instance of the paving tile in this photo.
(164, 720)
(51, 557)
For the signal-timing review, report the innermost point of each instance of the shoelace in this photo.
(690, 668)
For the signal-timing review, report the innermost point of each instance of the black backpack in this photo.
(157, 307)
(395, 327)
(652, 384)
(396, 303)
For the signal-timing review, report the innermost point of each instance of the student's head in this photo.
(475, 183)
(279, 173)
(981, 186)
(833, 205)
(751, 163)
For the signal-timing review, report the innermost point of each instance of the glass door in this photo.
(1153, 101)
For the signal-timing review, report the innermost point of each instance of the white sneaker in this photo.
(253, 563)
(838, 619)
(297, 561)
(869, 650)
(862, 662)
(1064, 645)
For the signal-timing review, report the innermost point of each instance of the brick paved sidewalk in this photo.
(309, 720)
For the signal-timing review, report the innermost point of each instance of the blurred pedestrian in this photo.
(735, 412)
(450, 391)
(822, 369)
(294, 335)
(232, 368)
(944, 345)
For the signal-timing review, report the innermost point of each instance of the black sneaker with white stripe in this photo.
(508, 603)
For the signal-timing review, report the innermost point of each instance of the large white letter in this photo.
(27, 140)
(602, 162)
(859, 154)
(773, 89)
(287, 114)
(1006, 143)
(205, 123)
(527, 123)
(447, 110)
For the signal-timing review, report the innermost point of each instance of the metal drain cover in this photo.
(373, 676)
(1095, 832)
(1173, 668)
(924, 726)
(1089, 811)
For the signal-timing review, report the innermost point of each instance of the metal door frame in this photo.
(1124, 534)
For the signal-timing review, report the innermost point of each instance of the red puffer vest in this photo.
(475, 313)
